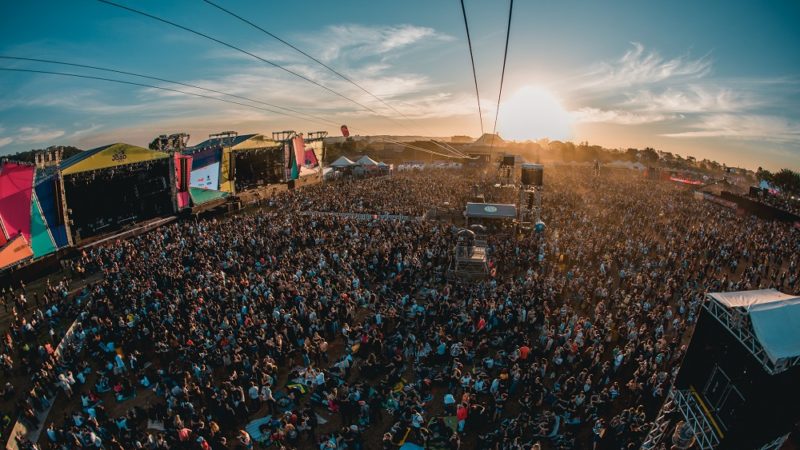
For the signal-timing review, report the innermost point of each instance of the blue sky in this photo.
(712, 79)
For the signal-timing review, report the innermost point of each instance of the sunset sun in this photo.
(533, 113)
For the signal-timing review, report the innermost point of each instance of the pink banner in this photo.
(299, 150)
(16, 189)
(183, 169)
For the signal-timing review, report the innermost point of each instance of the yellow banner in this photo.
(225, 182)
(112, 156)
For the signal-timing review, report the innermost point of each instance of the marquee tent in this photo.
(366, 161)
(341, 163)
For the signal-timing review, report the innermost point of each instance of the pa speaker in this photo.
(532, 174)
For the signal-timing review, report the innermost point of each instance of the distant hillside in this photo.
(28, 156)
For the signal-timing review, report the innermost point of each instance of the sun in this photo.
(534, 113)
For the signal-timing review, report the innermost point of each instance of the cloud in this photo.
(5, 141)
(596, 115)
(640, 67)
(693, 98)
(359, 41)
(743, 126)
(36, 135)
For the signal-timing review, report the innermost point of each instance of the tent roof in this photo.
(491, 210)
(341, 162)
(775, 317)
(366, 161)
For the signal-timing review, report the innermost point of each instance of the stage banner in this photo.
(299, 150)
(109, 156)
(206, 177)
(16, 190)
(42, 241)
(46, 194)
(16, 250)
(225, 182)
(183, 176)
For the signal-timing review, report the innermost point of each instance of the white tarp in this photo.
(341, 162)
(746, 299)
(775, 317)
(366, 161)
(777, 326)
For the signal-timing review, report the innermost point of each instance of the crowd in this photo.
(333, 333)
(409, 193)
(784, 202)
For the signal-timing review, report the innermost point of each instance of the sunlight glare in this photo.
(533, 113)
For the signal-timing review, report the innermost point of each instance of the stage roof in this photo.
(491, 210)
(112, 155)
(231, 141)
(775, 317)
(240, 142)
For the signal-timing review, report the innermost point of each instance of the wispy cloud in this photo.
(683, 95)
(743, 126)
(359, 41)
(596, 115)
(693, 98)
(36, 135)
(5, 141)
(639, 66)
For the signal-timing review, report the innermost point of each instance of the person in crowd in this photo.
(246, 330)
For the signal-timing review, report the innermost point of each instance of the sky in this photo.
(711, 79)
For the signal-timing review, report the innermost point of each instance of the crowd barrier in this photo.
(361, 216)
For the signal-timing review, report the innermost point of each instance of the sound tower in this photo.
(532, 174)
(728, 388)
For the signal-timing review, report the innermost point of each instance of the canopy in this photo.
(775, 317)
(341, 162)
(749, 299)
(491, 210)
(112, 155)
(366, 161)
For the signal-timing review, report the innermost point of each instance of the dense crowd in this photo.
(335, 333)
(408, 193)
(784, 202)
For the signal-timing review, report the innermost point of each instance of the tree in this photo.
(787, 181)
(649, 154)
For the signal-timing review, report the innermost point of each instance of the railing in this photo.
(361, 216)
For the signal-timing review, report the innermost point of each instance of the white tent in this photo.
(341, 163)
(775, 317)
(366, 161)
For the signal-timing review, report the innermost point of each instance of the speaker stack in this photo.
(532, 174)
